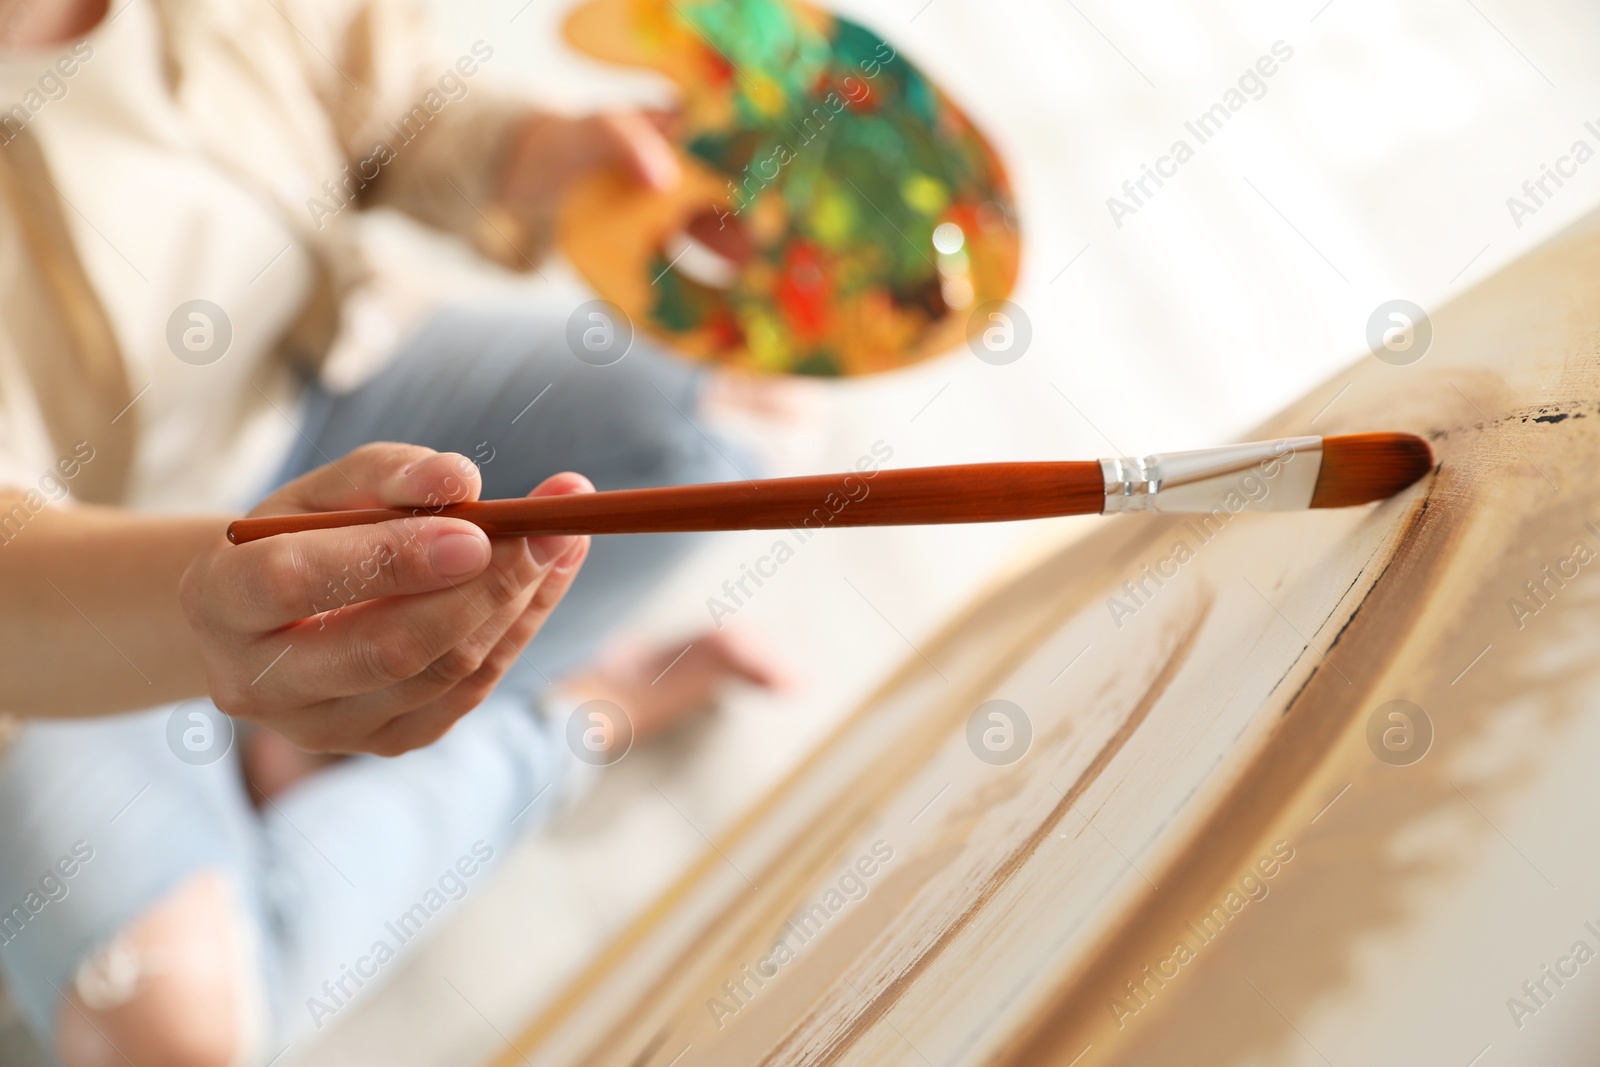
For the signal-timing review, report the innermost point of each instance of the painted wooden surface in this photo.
(1188, 737)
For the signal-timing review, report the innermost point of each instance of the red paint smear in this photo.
(869, 99)
(718, 71)
(723, 331)
(804, 291)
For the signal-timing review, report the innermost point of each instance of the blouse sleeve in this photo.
(425, 130)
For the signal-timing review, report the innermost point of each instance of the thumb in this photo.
(638, 143)
(381, 475)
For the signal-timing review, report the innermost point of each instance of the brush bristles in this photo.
(1362, 467)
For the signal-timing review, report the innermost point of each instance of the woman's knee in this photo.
(640, 432)
(177, 988)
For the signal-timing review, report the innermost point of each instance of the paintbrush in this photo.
(1288, 474)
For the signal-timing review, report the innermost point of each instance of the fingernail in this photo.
(430, 485)
(546, 550)
(570, 559)
(659, 165)
(458, 555)
(665, 172)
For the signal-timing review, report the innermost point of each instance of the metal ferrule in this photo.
(1262, 476)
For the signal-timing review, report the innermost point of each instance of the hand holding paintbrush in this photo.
(1285, 475)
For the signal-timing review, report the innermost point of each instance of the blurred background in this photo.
(1376, 166)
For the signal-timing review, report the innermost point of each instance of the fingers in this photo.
(273, 582)
(381, 641)
(433, 716)
(387, 642)
(639, 145)
(268, 584)
(547, 549)
(667, 120)
(384, 474)
(393, 630)
(431, 702)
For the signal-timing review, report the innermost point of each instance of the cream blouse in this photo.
(198, 278)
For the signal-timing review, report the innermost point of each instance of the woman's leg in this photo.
(175, 988)
(211, 928)
(114, 845)
(309, 901)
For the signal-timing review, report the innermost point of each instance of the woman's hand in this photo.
(551, 151)
(373, 638)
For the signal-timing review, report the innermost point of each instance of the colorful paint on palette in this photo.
(842, 216)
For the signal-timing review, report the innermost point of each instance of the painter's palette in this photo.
(839, 214)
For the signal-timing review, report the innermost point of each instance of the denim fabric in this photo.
(360, 853)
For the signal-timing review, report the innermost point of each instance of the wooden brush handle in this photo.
(974, 492)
